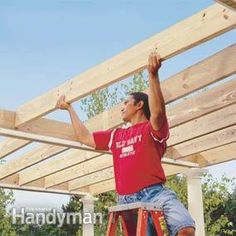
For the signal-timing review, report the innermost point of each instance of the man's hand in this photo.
(154, 64)
(62, 104)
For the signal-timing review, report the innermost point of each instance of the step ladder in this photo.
(130, 225)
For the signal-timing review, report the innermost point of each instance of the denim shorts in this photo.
(175, 214)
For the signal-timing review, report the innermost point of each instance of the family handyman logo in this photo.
(54, 217)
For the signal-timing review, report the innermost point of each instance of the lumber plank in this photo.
(199, 144)
(206, 158)
(10, 145)
(214, 156)
(41, 153)
(189, 109)
(201, 126)
(192, 78)
(205, 25)
(211, 122)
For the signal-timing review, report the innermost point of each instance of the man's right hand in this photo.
(62, 104)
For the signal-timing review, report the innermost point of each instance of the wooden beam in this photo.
(38, 185)
(193, 107)
(81, 169)
(206, 158)
(11, 145)
(173, 88)
(203, 125)
(214, 156)
(199, 144)
(51, 128)
(33, 157)
(109, 184)
(203, 103)
(222, 65)
(38, 189)
(70, 159)
(192, 129)
(46, 139)
(7, 119)
(169, 166)
(100, 179)
(64, 161)
(228, 3)
(203, 143)
(13, 180)
(87, 180)
(205, 25)
(102, 187)
(211, 122)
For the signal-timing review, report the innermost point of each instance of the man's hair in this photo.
(139, 96)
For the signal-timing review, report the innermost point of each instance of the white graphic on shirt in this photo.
(128, 149)
(127, 146)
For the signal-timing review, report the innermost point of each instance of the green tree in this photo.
(6, 227)
(74, 205)
(219, 202)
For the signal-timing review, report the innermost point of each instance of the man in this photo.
(137, 152)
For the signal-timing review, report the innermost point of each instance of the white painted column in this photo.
(88, 210)
(195, 200)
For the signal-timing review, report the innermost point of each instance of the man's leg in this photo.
(178, 219)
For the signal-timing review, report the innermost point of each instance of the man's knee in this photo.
(188, 231)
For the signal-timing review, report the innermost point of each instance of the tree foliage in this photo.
(6, 227)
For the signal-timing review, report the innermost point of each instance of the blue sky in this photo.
(44, 43)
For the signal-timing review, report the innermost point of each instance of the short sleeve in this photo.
(162, 134)
(103, 139)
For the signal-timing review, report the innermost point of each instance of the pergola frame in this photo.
(202, 125)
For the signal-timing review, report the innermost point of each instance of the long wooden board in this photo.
(205, 25)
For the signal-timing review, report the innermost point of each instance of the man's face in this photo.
(128, 109)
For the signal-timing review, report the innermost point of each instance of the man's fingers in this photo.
(154, 60)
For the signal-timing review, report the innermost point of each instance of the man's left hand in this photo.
(154, 63)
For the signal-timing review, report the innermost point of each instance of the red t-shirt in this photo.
(137, 153)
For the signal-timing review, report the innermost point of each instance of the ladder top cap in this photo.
(136, 205)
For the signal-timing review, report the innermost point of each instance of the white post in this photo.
(195, 200)
(88, 215)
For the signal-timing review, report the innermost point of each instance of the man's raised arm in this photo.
(82, 133)
(156, 100)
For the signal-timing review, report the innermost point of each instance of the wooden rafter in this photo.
(205, 25)
(41, 153)
(206, 158)
(11, 145)
(212, 156)
(202, 125)
(190, 147)
(175, 87)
